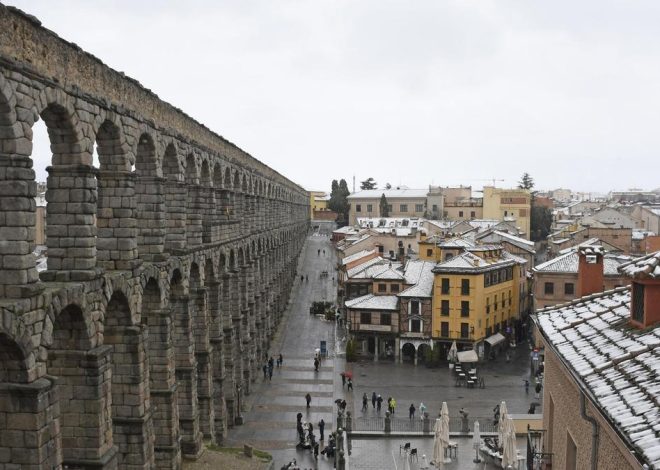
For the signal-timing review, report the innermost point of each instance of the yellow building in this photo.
(503, 204)
(476, 296)
(318, 202)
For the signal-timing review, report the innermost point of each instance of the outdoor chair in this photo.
(470, 384)
(405, 447)
(413, 453)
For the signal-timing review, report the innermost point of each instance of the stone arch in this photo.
(422, 352)
(146, 163)
(111, 146)
(217, 176)
(192, 176)
(195, 276)
(227, 178)
(130, 410)
(81, 379)
(150, 203)
(8, 132)
(171, 165)
(13, 360)
(207, 202)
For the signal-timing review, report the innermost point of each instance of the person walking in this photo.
(389, 404)
(343, 380)
(316, 364)
(271, 362)
(379, 403)
(537, 390)
(350, 385)
(393, 405)
(265, 369)
(270, 374)
(373, 400)
(280, 360)
(321, 428)
(306, 278)
(318, 252)
(411, 411)
(302, 278)
(308, 399)
(365, 400)
(422, 409)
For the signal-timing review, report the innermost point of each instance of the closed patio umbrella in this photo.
(500, 425)
(476, 441)
(438, 452)
(444, 428)
(452, 355)
(509, 451)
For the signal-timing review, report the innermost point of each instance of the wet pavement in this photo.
(271, 409)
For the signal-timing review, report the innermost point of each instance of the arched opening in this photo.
(150, 201)
(116, 223)
(424, 354)
(81, 376)
(185, 366)
(408, 353)
(131, 405)
(162, 381)
(175, 202)
(13, 366)
(71, 184)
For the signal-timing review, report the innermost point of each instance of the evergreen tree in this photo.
(369, 183)
(384, 207)
(388, 186)
(526, 182)
(541, 222)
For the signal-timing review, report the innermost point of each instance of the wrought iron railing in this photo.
(537, 457)
(404, 424)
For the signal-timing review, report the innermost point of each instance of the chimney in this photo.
(645, 289)
(590, 270)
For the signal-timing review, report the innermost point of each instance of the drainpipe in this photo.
(594, 431)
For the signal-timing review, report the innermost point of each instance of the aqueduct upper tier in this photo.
(168, 267)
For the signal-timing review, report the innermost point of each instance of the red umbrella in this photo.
(348, 374)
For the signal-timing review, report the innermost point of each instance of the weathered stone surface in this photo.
(163, 284)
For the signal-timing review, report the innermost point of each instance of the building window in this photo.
(365, 318)
(429, 252)
(445, 286)
(465, 287)
(435, 208)
(444, 310)
(473, 214)
(370, 208)
(394, 287)
(571, 453)
(495, 302)
(465, 308)
(460, 213)
(414, 307)
(381, 249)
(415, 325)
(638, 302)
(569, 288)
(419, 207)
(444, 329)
(549, 288)
(382, 287)
(385, 318)
(465, 330)
(403, 208)
(487, 305)
(358, 207)
(486, 279)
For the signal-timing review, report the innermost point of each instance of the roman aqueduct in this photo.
(169, 266)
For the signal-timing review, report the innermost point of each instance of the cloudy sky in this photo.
(407, 92)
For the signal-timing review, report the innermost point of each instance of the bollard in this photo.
(247, 450)
(388, 422)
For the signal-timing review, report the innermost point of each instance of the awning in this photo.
(468, 356)
(497, 338)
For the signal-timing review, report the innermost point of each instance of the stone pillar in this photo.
(115, 221)
(238, 351)
(216, 335)
(175, 202)
(231, 354)
(186, 376)
(151, 218)
(31, 432)
(194, 216)
(162, 388)
(208, 215)
(70, 229)
(132, 425)
(84, 389)
(18, 274)
(203, 356)
(376, 341)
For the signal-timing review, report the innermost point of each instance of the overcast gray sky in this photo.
(408, 92)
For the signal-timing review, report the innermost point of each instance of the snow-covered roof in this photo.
(457, 242)
(356, 256)
(470, 263)
(568, 263)
(345, 230)
(354, 271)
(645, 267)
(420, 274)
(389, 193)
(374, 302)
(618, 366)
(498, 235)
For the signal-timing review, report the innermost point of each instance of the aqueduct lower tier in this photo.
(169, 266)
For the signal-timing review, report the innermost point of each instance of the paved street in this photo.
(270, 418)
